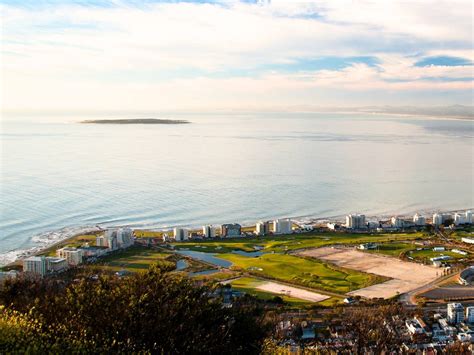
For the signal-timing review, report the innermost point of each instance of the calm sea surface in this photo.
(226, 169)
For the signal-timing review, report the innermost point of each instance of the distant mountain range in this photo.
(137, 121)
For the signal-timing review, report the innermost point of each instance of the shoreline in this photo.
(51, 239)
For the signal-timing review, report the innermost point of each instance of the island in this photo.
(137, 121)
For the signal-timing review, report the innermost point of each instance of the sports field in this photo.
(405, 276)
(303, 271)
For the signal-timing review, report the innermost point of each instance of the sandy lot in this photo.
(291, 291)
(406, 276)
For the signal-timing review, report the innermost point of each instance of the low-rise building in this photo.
(367, 246)
(56, 264)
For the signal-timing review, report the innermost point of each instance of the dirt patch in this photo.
(406, 276)
(302, 294)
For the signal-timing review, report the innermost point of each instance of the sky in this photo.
(98, 55)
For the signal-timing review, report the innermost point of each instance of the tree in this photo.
(154, 311)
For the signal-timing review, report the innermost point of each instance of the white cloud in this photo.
(67, 57)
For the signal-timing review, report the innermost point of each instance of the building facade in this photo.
(355, 221)
(180, 234)
(35, 265)
(419, 220)
(282, 226)
(208, 231)
(231, 230)
(455, 313)
(72, 255)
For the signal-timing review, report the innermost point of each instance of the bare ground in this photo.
(406, 276)
(280, 289)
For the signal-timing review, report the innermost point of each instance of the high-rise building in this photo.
(231, 230)
(208, 231)
(455, 313)
(469, 217)
(35, 265)
(282, 226)
(262, 228)
(437, 219)
(397, 222)
(180, 234)
(72, 255)
(459, 219)
(355, 221)
(419, 220)
(41, 265)
(470, 314)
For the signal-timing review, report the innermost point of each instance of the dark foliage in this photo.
(151, 312)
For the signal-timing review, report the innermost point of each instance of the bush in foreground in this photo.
(150, 312)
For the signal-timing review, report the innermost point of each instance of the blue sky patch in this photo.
(443, 61)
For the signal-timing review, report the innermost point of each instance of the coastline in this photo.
(54, 238)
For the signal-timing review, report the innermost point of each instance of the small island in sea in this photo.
(137, 121)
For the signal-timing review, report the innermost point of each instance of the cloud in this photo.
(232, 54)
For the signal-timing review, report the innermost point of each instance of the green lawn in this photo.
(303, 271)
(292, 242)
(135, 258)
(426, 255)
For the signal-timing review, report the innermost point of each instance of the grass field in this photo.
(134, 259)
(293, 242)
(303, 271)
(425, 255)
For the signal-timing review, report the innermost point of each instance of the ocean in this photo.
(59, 176)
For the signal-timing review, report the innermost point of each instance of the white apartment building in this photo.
(282, 226)
(263, 228)
(41, 265)
(397, 222)
(180, 234)
(35, 265)
(72, 255)
(437, 219)
(419, 220)
(469, 217)
(455, 313)
(459, 219)
(208, 231)
(470, 314)
(355, 221)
